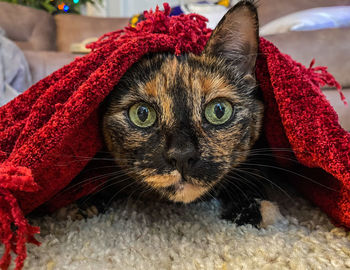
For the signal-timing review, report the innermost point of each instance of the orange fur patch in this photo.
(163, 180)
(219, 88)
(151, 88)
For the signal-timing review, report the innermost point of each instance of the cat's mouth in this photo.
(177, 187)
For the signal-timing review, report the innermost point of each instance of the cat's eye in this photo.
(142, 115)
(218, 111)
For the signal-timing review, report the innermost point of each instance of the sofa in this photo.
(329, 47)
(46, 39)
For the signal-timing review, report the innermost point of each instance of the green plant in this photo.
(55, 6)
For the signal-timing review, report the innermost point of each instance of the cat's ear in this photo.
(236, 37)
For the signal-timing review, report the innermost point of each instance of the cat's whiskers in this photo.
(91, 180)
(111, 182)
(228, 188)
(144, 189)
(230, 177)
(289, 171)
(78, 160)
(264, 178)
(119, 191)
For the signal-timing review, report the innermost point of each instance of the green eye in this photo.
(142, 115)
(218, 111)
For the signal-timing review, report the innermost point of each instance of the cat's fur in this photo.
(182, 156)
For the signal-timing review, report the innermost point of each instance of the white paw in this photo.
(270, 213)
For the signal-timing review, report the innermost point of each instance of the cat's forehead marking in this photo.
(207, 85)
(158, 85)
(197, 78)
(150, 88)
(172, 65)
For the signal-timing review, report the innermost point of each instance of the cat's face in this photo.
(179, 124)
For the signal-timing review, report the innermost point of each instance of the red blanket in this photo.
(56, 120)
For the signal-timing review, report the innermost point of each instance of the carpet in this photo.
(138, 235)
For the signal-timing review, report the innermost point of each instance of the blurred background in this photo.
(109, 8)
(39, 36)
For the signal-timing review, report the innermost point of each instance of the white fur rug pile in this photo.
(137, 235)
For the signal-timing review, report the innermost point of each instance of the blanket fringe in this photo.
(15, 229)
(189, 30)
(321, 77)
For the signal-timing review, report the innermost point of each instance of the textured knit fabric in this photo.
(56, 120)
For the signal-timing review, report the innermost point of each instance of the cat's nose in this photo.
(183, 158)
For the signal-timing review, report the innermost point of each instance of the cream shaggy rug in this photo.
(139, 235)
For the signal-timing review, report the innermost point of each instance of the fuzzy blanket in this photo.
(57, 119)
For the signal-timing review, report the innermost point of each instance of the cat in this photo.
(182, 127)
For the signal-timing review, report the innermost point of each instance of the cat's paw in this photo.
(259, 213)
(243, 213)
(270, 213)
(74, 212)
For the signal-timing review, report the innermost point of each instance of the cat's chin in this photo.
(181, 189)
(186, 192)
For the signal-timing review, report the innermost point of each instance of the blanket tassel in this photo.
(15, 230)
(321, 77)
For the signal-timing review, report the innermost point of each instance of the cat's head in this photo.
(179, 124)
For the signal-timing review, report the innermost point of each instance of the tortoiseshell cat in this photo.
(181, 126)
